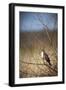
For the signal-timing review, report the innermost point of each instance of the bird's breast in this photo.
(42, 54)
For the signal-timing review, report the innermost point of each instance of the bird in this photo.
(45, 56)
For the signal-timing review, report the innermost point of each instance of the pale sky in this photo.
(29, 21)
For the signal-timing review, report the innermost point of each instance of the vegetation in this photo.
(31, 64)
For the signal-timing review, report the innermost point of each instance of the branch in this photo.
(40, 64)
(39, 18)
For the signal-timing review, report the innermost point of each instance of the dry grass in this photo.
(31, 63)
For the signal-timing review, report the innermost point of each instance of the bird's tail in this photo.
(50, 64)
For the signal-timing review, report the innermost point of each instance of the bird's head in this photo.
(43, 50)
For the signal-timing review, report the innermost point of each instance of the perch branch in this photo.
(40, 64)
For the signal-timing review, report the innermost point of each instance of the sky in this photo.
(32, 21)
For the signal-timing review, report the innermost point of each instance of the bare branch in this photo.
(39, 64)
(46, 29)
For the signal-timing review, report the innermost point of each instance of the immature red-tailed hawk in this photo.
(45, 56)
